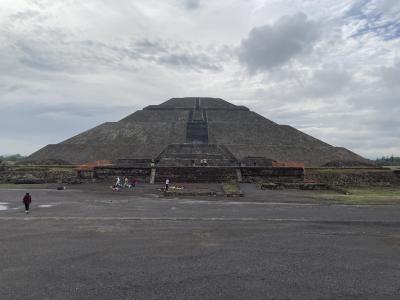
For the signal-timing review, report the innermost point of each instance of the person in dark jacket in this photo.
(27, 201)
(166, 184)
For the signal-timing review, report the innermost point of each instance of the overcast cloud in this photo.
(274, 45)
(329, 68)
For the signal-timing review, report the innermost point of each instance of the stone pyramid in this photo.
(178, 123)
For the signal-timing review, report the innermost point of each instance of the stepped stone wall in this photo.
(157, 116)
(192, 154)
(309, 155)
(81, 153)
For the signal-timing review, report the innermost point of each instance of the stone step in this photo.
(192, 149)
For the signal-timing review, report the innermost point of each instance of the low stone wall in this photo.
(262, 174)
(196, 174)
(225, 174)
(38, 174)
(353, 176)
(110, 173)
(330, 176)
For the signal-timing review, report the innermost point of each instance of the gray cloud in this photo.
(27, 15)
(274, 45)
(148, 47)
(59, 52)
(195, 62)
(192, 4)
(328, 82)
(391, 75)
(66, 66)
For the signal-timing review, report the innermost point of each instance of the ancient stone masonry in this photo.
(194, 174)
(192, 154)
(38, 174)
(183, 131)
(353, 176)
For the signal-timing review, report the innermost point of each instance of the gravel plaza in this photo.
(88, 242)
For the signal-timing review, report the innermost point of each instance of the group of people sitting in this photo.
(126, 184)
(203, 162)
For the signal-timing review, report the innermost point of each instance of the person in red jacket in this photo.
(27, 201)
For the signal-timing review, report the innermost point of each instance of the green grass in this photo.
(367, 195)
(231, 188)
(392, 167)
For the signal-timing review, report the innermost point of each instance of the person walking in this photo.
(27, 201)
(118, 183)
(166, 184)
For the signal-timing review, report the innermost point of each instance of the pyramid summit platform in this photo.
(182, 131)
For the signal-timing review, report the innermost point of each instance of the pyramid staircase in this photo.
(197, 127)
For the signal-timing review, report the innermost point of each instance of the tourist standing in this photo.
(118, 183)
(133, 182)
(27, 201)
(166, 184)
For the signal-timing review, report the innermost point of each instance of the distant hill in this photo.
(12, 157)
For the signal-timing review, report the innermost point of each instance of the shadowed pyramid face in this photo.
(210, 122)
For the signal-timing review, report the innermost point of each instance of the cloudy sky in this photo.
(330, 68)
